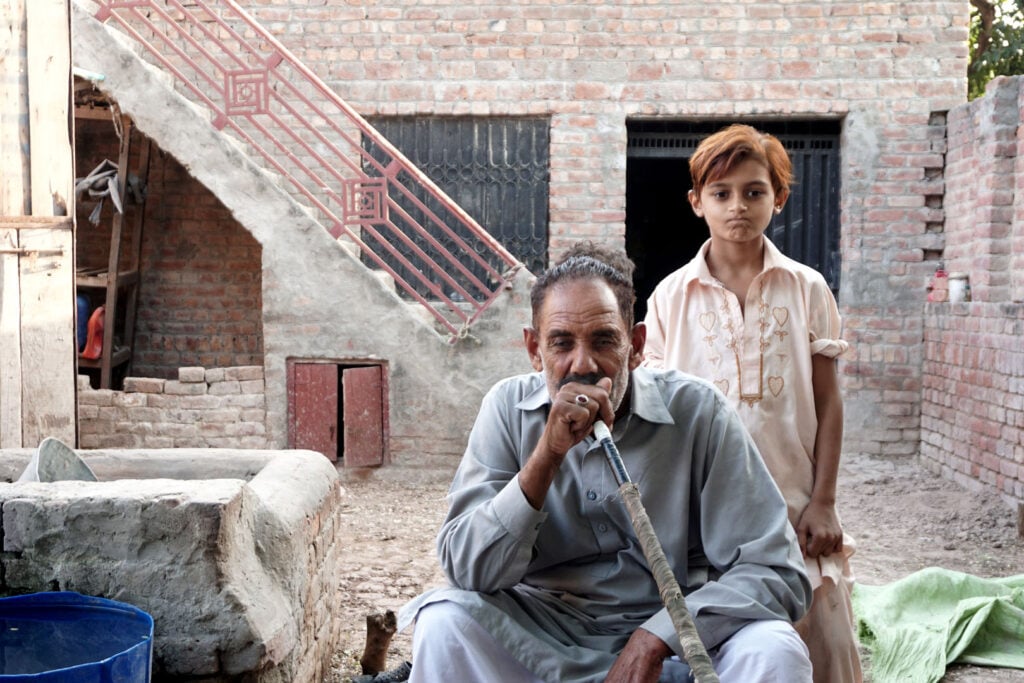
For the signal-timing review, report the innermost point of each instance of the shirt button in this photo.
(602, 527)
(591, 495)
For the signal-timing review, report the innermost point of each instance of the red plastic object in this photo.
(94, 339)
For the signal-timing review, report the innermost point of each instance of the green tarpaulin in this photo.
(914, 627)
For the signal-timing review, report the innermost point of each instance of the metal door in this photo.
(363, 391)
(313, 407)
(327, 401)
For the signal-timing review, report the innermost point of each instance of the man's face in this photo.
(581, 336)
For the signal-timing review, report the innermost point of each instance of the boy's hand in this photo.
(819, 531)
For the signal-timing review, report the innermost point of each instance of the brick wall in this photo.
(972, 423)
(888, 70)
(981, 186)
(1017, 240)
(199, 299)
(203, 408)
(591, 66)
(200, 302)
(94, 142)
(972, 408)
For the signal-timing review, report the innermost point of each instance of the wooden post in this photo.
(49, 116)
(14, 200)
(37, 302)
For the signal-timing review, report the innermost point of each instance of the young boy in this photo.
(766, 331)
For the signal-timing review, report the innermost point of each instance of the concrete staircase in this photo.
(319, 300)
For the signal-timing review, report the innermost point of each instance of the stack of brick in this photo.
(203, 408)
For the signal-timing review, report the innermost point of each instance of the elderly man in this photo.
(547, 580)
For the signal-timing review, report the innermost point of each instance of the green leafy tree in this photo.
(997, 42)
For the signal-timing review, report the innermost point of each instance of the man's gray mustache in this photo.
(589, 378)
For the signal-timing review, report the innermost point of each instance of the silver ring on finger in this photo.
(582, 399)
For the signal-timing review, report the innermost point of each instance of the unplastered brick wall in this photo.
(214, 408)
(983, 227)
(972, 425)
(200, 299)
(888, 70)
(1017, 243)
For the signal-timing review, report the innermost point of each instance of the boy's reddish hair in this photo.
(721, 152)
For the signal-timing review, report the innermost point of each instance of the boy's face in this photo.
(738, 206)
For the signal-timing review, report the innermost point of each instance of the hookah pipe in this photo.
(668, 588)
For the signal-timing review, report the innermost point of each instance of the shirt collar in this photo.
(538, 397)
(647, 401)
(773, 258)
(645, 398)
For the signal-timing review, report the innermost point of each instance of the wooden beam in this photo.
(10, 343)
(48, 349)
(49, 387)
(48, 47)
(14, 166)
(13, 200)
(114, 257)
(35, 222)
(94, 113)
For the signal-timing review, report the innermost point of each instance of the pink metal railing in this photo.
(356, 183)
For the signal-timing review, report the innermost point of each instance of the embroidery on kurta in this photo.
(708, 320)
(781, 315)
(733, 342)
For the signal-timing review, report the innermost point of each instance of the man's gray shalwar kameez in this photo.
(564, 587)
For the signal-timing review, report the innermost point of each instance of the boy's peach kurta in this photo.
(757, 357)
(760, 358)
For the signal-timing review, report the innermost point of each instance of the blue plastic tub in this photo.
(82, 326)
(73, 638)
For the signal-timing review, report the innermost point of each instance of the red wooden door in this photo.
(365, 417)
(313, 407)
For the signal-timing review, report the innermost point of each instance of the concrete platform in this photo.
(233, 552)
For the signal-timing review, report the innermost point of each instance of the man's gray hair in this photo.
(589, 261)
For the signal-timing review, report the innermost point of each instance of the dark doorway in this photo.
(662, 232)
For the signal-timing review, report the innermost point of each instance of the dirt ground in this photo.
(903, 518)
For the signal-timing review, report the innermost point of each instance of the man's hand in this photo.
(819, 531)
(573, 412)
(641, 660)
